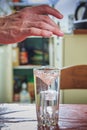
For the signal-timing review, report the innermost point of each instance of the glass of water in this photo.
(46, 80)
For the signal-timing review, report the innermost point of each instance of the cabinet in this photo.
(6, 75)
(7, 71)
(39, 54)
(71, 50)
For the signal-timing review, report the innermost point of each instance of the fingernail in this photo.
(61, 16)
(61, 33)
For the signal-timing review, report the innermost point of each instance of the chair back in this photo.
(74, 77)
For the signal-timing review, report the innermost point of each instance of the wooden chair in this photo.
(73, 77)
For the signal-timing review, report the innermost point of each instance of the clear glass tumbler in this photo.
(47, 89)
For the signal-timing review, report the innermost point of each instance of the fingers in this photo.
(38, 18)
(39, 32)
(45, 23)
(45, 9)
(43, 18)
(36, 32)
(36, 22)
(46, 19)
(45, 26)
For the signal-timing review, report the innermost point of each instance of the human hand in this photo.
(29, 21)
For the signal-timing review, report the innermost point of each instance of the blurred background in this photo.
(18, 60)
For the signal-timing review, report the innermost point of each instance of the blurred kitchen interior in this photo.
(56, 51)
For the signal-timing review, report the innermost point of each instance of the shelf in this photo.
(21, 4)
(80, 31)
(26, 67)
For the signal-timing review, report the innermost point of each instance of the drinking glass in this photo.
(46, 80)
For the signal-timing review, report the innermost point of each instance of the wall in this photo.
(67, 8)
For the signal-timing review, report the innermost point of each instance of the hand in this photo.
(29, 21)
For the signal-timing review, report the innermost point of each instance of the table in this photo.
(23, 117)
